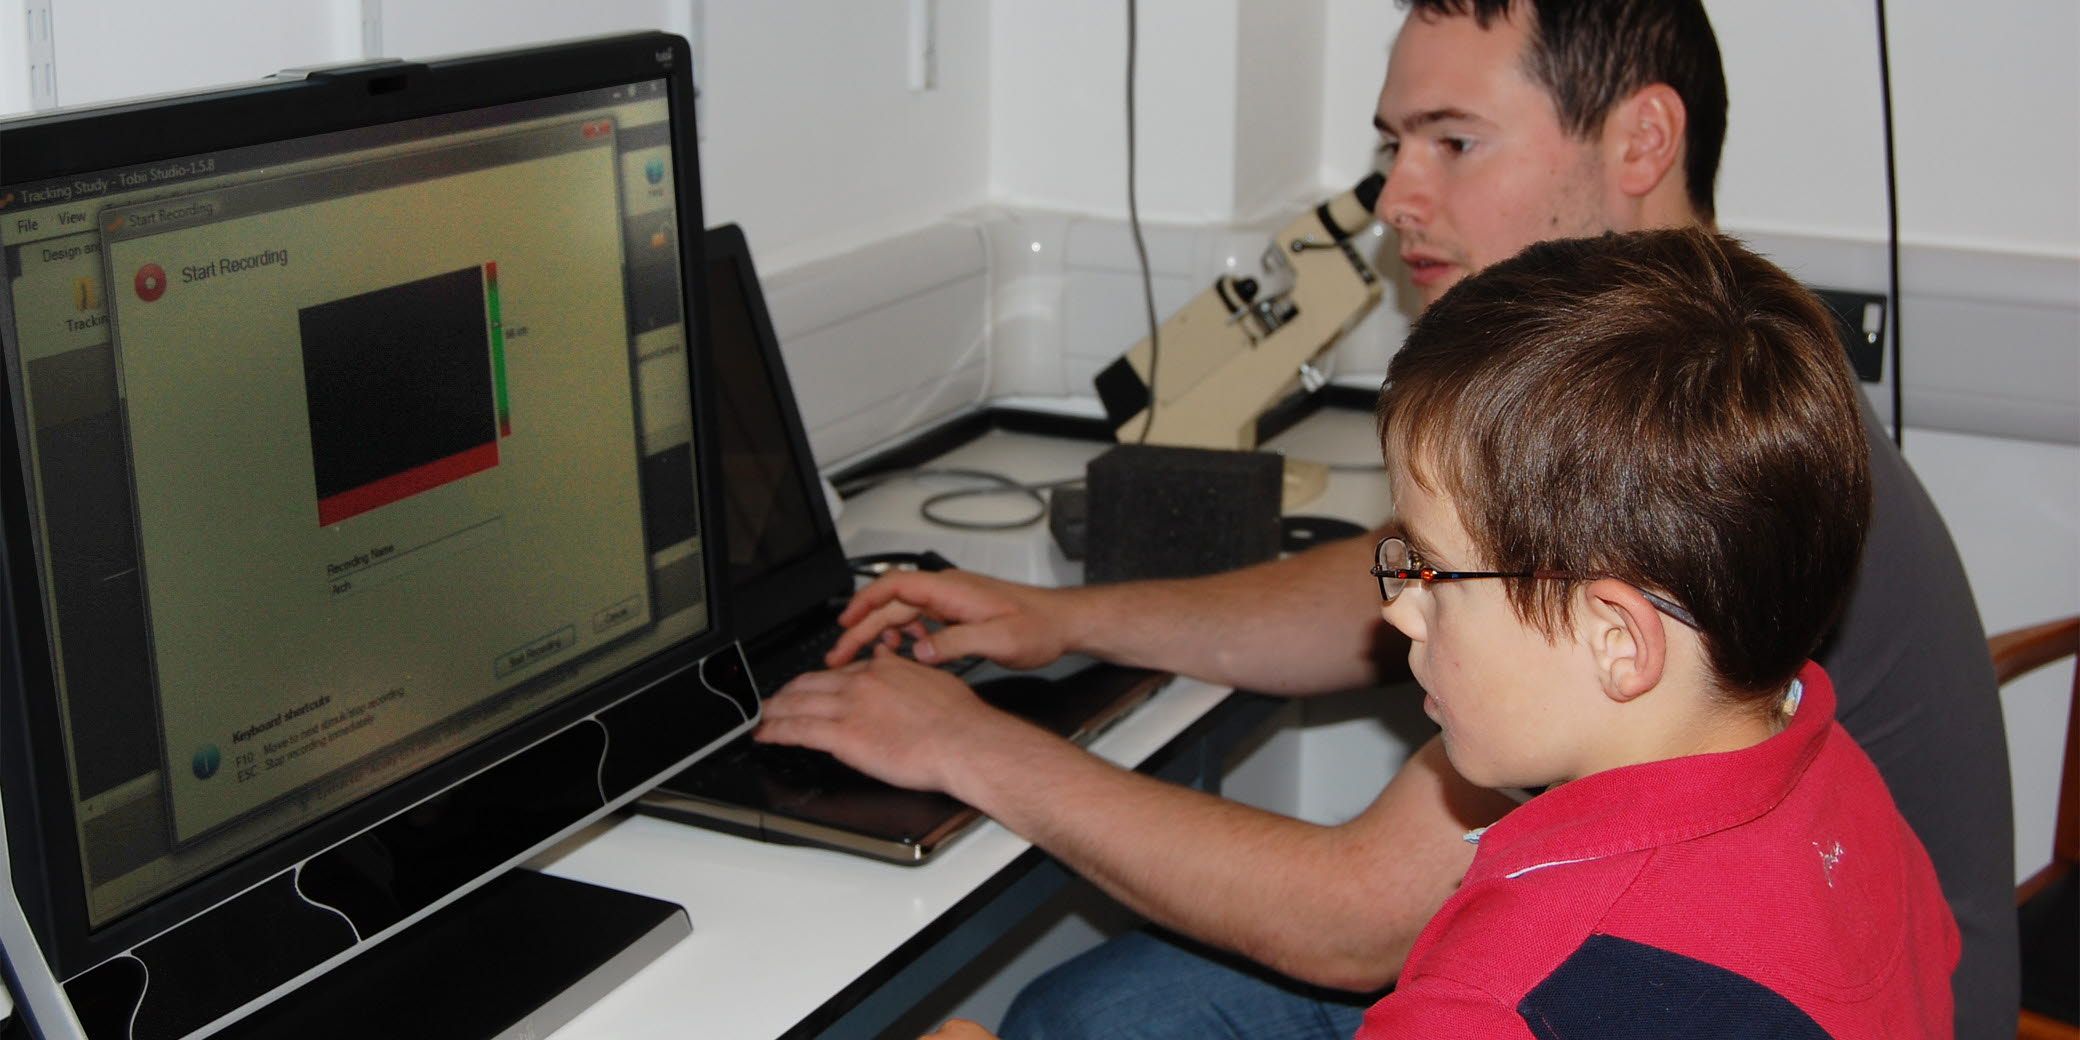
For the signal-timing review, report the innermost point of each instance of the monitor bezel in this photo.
(43, 854)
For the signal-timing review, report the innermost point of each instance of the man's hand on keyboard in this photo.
(893, 719)
(1018, 626)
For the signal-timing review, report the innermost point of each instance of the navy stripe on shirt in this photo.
(1617, 989)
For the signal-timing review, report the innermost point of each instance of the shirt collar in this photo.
(1659, 803)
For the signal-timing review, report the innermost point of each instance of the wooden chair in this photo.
(2045, 903)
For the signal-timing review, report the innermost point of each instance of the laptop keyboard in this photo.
(780, 664)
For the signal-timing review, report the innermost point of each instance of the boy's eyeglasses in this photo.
(1396, 563)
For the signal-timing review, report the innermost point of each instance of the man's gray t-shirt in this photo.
(1916, 690)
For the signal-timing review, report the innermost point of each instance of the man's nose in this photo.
(1406, 199)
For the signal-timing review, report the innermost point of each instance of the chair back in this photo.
(2025, 650)
(2047, 1011)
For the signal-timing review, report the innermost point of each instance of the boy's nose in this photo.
(1403, 615)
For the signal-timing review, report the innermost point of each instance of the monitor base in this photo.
(518, 957)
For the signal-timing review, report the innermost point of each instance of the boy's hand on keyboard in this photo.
(1019, 626)
(891, 718)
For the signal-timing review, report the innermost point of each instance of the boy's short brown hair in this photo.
(1661, 407)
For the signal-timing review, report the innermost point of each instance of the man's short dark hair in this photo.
(1661, 407)
(1592, 54)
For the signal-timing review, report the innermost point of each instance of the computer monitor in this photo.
(354, 508)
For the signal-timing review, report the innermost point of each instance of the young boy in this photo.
(1631, 489)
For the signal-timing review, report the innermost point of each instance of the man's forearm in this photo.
(1306, 624)
(1335, 906)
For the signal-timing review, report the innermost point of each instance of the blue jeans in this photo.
(1152, 986)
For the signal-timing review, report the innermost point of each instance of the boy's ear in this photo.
(1624, 634)
(1644, 137)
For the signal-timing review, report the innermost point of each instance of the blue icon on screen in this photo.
(207, 759)
(654, 171)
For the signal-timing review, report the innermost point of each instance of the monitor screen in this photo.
(337, 454)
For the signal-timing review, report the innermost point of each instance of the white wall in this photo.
(14, 69)
(1057, 134)
(1354, 64)
(110, 49)
(815, 142)
(1227, 130)
(1986, 98)
(1277, 114)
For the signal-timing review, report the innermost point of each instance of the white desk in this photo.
(779, 931)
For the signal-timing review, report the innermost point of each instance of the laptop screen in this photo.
(345, 452)
(769, 510)
(784, 555)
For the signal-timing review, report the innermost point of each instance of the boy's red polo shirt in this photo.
(1768, 892)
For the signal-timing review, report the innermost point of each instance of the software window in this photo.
(412, 405)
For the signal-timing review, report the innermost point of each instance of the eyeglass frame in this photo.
(1417, 571)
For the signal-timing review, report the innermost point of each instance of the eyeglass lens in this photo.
(1393, 555)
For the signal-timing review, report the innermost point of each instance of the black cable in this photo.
(1899, 421)
(1148, 293)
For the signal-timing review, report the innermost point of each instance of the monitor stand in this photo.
(518, 957)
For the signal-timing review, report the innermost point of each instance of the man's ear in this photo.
(1624, 635)
(1644, 138)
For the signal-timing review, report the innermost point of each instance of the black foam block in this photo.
(1068, 519)
(1163, 512)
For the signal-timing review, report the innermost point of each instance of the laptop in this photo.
(788, 580)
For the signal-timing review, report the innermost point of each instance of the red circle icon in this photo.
(151, 282)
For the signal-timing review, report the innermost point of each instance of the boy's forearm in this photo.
(1305, 624)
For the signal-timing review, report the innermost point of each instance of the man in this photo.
(1503, 124)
